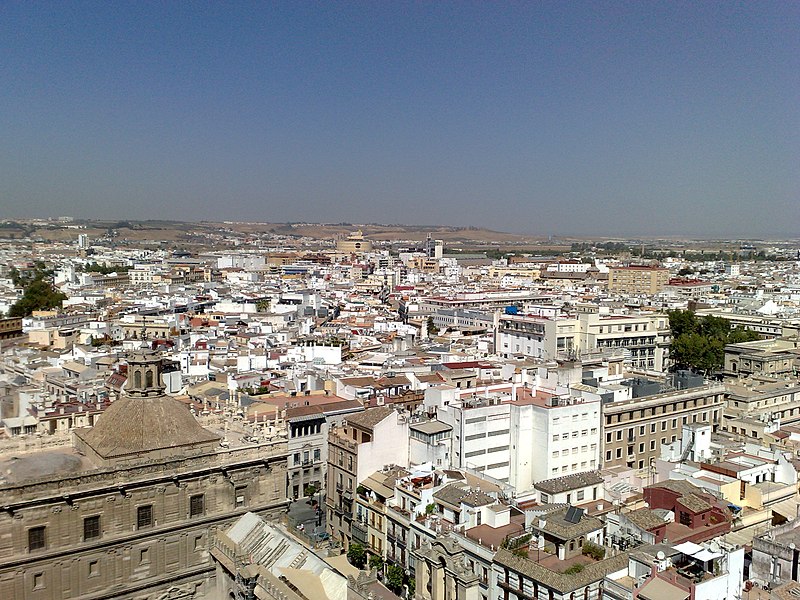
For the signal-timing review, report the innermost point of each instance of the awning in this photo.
(706, 555)
(689, 548)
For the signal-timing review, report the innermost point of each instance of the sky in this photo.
(549, 118)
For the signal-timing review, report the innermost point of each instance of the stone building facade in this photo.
(634, 430)
(130, 515)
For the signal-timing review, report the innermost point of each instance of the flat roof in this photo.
(430, 427)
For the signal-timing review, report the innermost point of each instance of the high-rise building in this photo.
(643, 281)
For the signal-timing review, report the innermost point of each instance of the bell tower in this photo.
(144, 375)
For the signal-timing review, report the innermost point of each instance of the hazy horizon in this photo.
(584, 119)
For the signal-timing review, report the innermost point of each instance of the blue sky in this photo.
(579, 118)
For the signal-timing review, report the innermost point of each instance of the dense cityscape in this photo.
(245, 410)
(445, 300)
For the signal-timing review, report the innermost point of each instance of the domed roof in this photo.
(144, 419)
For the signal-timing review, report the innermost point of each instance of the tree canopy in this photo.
(394, 578)
(356, 555)
(699, 343)
(39, 293)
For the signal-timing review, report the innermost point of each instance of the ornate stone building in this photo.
(128, 511)
(442, 574)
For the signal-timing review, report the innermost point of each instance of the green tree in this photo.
(356, 555)
(740, 334)
(38, 295)
(394, 578)
(376, 562)
(699, 343)
(681, 321)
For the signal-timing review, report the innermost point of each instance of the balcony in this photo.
(515, 590)
(359, 531)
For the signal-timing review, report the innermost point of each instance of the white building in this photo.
(552, 436)
(644, 338)
(519, 436)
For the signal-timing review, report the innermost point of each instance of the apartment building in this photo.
(10, 327)
(643, 339)
(514, 434)
(636, 280)
(370, 523)
(753, 407)
(362, 444)
(552, 436)
(308, 428)
(525, 576)
(634, 430)
(481, 433)
(687, 570)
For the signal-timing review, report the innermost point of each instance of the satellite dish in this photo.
(660, 555)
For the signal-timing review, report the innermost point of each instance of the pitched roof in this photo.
(299, 413)
(591, 573)
(456, 493)
(556, 524)
(569, 482)
(645, 518)
(369, 418)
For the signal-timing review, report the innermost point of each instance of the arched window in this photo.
(149, 379)
(137, 379)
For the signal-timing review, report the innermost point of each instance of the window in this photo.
(197, 505)
(297, 458)
(652, 444)
(91, 528)
(144, 556)
(608, 437)
(239, 496)
(94, 568)
(36, 539)
(579, 495)
(144, 516)
(38, 581)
